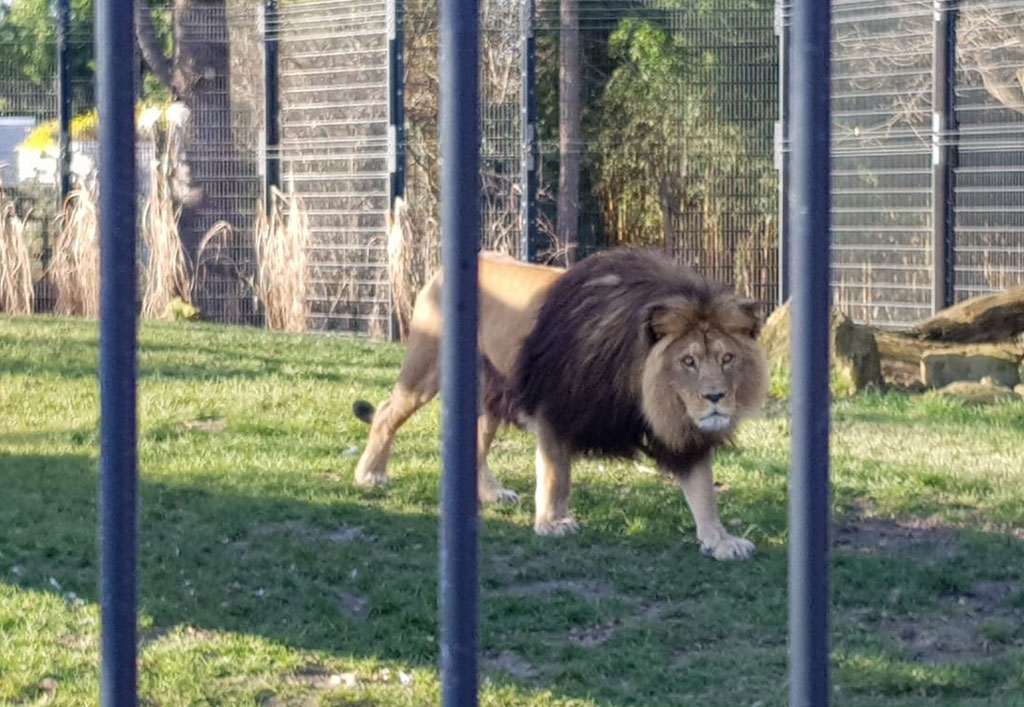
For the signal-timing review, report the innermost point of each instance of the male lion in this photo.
(624, 352)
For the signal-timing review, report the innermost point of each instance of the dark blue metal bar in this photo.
(396, 99)
(396, 123)
(809, 204)
(528, 133)
(271, 100)
(460, 239)
(117, 365)
(944, 152)
(64, 98)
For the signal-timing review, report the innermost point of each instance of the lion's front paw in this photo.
(557, 527)
(506, 496)
(371, 479)
(497, 494)
(727, 547)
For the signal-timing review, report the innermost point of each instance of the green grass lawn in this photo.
(268, 578)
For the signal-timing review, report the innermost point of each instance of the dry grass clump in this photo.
(281, 239)
(165, 266)
(17, 295)
(75, 268)
(405, 265)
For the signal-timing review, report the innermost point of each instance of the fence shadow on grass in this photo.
(606, 614)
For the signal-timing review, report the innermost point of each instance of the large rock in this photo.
(853, 352)
(970, 363)
(978, 393)
(986, 318)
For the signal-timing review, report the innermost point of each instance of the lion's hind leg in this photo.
(417, 385)
(554, 463)
(489, 489)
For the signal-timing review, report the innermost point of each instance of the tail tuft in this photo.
(363, 410)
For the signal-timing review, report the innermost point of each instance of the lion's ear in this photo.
(669, 317)
(736, 315)
(752, 309)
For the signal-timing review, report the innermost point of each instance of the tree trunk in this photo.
(570, 142)
(214, 181)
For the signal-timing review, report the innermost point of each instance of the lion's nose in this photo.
(714, 397)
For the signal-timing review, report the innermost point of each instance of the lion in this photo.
(623, 352)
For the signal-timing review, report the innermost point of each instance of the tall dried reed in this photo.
(165, 266)
(17, 295)
(281, 239)
(405, 265)
(164, 263)
(75, 268)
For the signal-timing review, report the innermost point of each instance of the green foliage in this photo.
(28, 42)
(660, 147)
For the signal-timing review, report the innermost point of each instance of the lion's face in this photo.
(702, 374)
(704, 370)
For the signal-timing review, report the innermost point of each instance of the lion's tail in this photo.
(363, 410)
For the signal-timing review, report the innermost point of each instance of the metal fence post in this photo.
(396, 126)
(117, 364)
(460, 238)
(271, 101)
(64, 99)
(782, 146)
(396, 100)
(528, 133)
(809, 203)
(944, 151)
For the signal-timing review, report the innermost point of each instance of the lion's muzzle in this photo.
(714, 421)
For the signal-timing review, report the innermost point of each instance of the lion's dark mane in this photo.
(582, 362)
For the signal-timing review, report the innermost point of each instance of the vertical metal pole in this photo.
(117, 365)
(809, 203)
(64, 98)
(396, 99)
(944, 151)
(396, 124)
(272, 100)
(782, 146)
(528, 133)
(460, 238)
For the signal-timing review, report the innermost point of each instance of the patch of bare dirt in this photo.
(511, 664)
(303, 531)
(978, 624)
(596, 635)
(211, 425)
(354, 606)
(589, 589)
(884, 535)
(590, 636)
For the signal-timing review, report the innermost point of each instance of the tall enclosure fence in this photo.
(928, 154)
(275, 137)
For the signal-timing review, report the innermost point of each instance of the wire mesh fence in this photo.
(989, 180)
(334, 151)
(881, 159)
(886, 140)
(654, 125)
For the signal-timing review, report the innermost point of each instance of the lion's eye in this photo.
(727, 358)
(689, 362)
